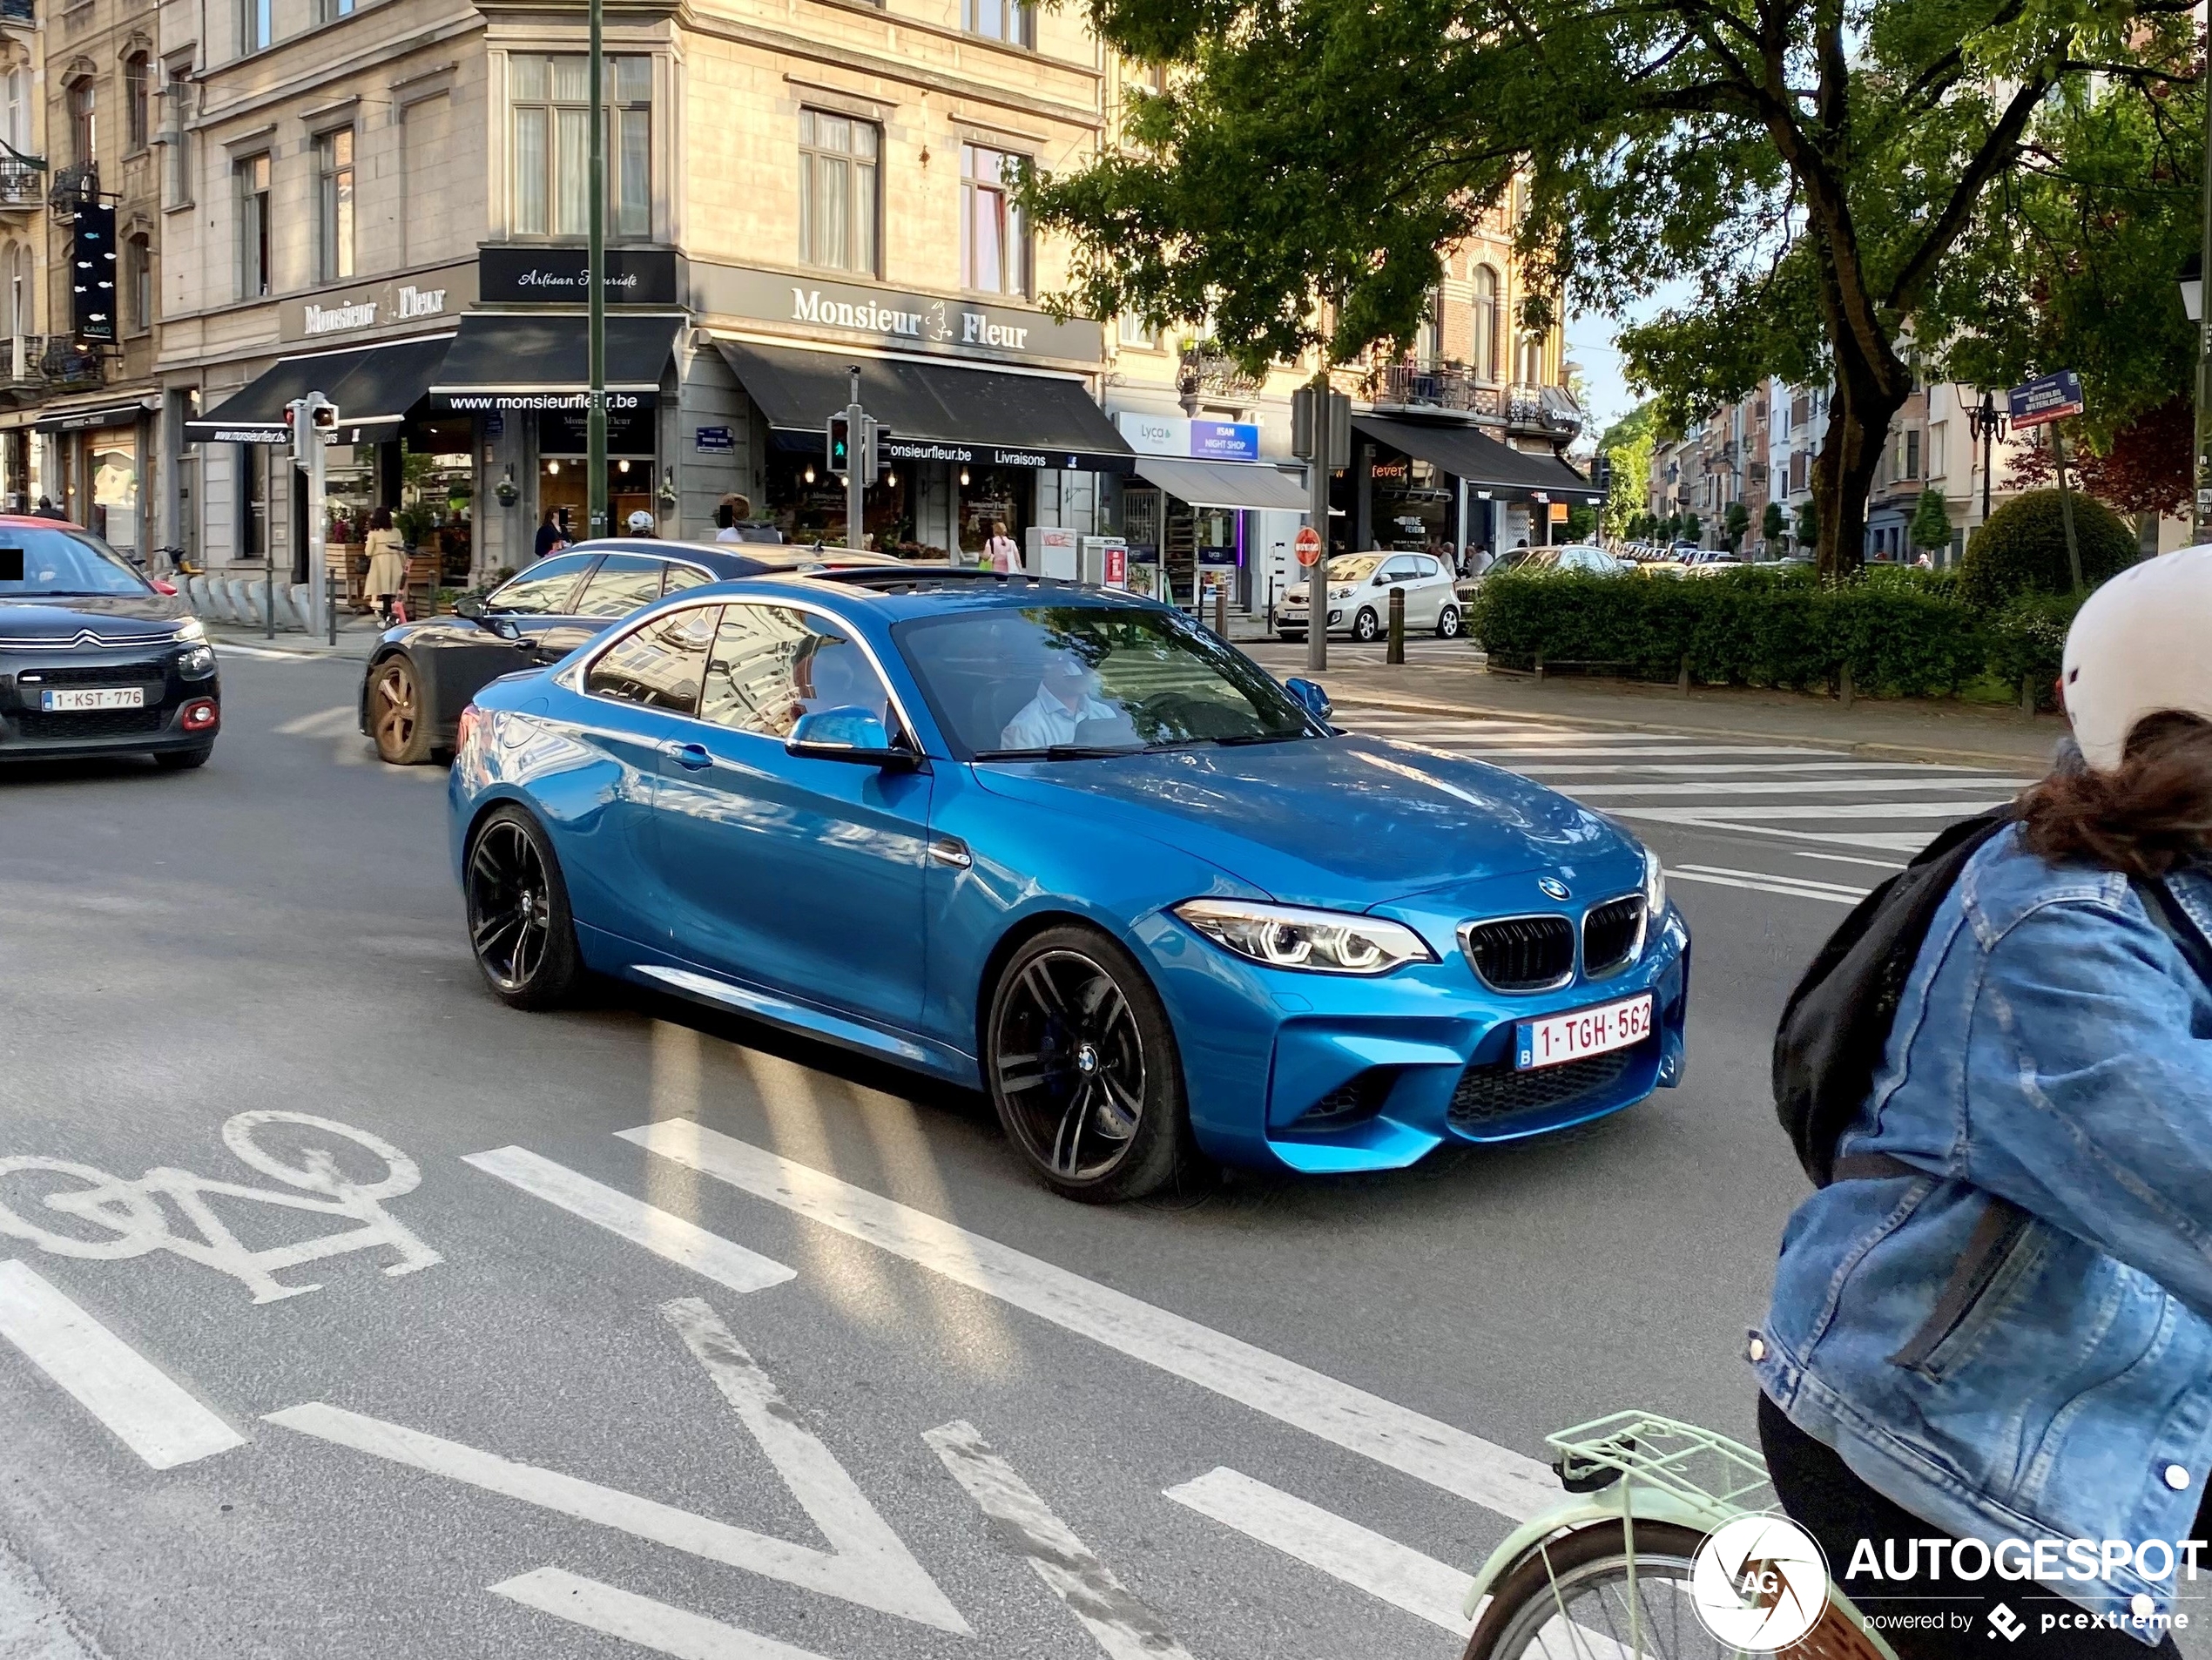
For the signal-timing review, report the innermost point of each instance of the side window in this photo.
(683, 576)
(659, 664)
(544, 590)
(770, 665)
(1427, 565)
(620, 585)
(1400, 571)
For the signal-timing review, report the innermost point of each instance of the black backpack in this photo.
(1837, 1023)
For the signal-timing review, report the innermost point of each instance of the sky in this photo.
(1589, 343)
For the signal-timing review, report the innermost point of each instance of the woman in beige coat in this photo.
(386, 563)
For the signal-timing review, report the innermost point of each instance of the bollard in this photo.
(1681, 680)
(1395, 652)
(1221, 609)
(2027, 695)
(1842, 685)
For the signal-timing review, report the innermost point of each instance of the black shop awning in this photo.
(946, 412)
(512, 362)
(372, 386)
(1482, 461)
(1220, 483)
(108, 414)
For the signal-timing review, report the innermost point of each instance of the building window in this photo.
(1429, 351)
(252, 227)
(1485, 323)
(1912, 454)
(994, 237)
(21, 271)
(335, 205)
(1135, 331)
(1935, 448)
(552, 146)
(84, 123)
(1529, 368)
(137, 102)
(1014, 22)
(837, 174)
(332, 11)
(137, 282)
(256, 25)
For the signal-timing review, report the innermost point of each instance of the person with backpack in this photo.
(1990, 1325)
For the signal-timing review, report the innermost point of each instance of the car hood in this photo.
(131, 617)
(1347, 821)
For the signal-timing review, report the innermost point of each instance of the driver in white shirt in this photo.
(1063, 702)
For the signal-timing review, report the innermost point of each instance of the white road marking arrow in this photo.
(640, 1619)
(866, 1562)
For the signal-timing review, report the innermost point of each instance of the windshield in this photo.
(1353, 567)
(1065, 681)
(46, 563)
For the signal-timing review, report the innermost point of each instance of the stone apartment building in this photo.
(386, 202)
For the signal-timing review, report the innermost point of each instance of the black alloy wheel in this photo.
(1367, 625)
(395, 718)
(1447, 624)
(1083, 1070)
(520, 926)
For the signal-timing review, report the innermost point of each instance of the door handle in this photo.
(693, 756)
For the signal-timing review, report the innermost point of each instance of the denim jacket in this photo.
(2053, 1046)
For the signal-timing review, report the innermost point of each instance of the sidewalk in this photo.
(357, 636)
(1876, 729)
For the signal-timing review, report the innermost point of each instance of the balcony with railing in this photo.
(74, 186)
(1208, 374)
(1430, 386)
(23, 186)
(23, 362)
(67, 364)
(1547, 411)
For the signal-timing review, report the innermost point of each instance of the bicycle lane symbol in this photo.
(133, 1218)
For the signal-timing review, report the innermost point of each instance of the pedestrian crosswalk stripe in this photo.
(1507, 755)
(1822, 810)
(625, 1614)
(1998, 787)
(1895, 769)
(1765, 882)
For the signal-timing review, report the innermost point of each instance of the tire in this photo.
(183, 760)
(1366, 627)
(1074, 1039)
(521, 930)
(397, 720)
(1448, 622)
(1593, 1561)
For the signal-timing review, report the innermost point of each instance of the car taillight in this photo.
(200, 715)
(471, 717)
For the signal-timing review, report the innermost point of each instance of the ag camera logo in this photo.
(1759, 1584)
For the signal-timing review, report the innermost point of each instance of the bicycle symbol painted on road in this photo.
(117, 1219)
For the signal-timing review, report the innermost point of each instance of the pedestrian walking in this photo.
(386, 582)
(641, 524)
(1000, 553)
(1991, 1329)
(552, 532)
(46, 509)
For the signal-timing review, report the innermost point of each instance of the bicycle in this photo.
(1608, 1573)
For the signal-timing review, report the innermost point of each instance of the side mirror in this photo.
(850, 733)
(470, 605)
(1309, 693)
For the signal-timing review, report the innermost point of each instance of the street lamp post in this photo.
(1985, 423)
(595, 280)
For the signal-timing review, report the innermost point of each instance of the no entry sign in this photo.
(1309, 546)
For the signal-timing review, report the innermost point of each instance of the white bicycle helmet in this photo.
(640, 522)
(2141, 644)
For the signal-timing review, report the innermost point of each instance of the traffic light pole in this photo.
(858, 454)
(595, 277)
(1317, 579)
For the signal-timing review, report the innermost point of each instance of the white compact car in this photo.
(1359, 585)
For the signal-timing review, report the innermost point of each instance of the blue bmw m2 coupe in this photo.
(1067, 847)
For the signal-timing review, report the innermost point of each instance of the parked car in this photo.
(1705, 561)
(95, 660)
(1573, 555)
(1359, 585)
(421, 675)
(1067, 847)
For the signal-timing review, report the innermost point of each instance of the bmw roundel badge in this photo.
(1553, 889)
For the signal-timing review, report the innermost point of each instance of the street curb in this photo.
(1862, 749)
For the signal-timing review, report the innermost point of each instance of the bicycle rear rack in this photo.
(1702, 1468)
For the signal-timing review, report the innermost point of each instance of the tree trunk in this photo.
(1866, 399)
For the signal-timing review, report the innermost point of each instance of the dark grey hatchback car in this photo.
(95, 660)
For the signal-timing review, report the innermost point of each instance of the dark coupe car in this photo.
(421, 675)
(95, 660)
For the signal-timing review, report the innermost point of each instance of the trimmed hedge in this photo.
(2022, 549)
(1898, 631)
(2028, 642)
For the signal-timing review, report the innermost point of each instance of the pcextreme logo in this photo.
(1759, 1584)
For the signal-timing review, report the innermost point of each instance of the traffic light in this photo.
(840, 447)
(871, 458)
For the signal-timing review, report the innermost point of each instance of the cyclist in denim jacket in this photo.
(2012, 1341)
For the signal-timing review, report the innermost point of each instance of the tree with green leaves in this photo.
(1930, 530)
(1836, 183)
(1689, 527)
(1771, 523)
(1628, 444)
(1807, 534)
(1734, 523)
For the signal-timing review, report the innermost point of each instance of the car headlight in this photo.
(1290, 936)
(1655, 886)
(1339, 593)
(198, 663)
(189, 633)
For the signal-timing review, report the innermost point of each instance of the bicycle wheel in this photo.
(317, 1170)
(131, 1219)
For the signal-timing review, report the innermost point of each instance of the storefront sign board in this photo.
(509, 276)
(909, 322)
(433, 296)
(1178, 438)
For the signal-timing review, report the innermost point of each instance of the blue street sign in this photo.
(715, 441)
(2050, 397)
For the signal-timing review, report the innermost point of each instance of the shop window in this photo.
(551, 114)
(837, 191)
(252, 175)
(335, 205)
(138, 283)
(137, 103)
(1486, 322)
(1014, 22)
(256, 25)
(83, 122)
(993, 235)
(659, 665)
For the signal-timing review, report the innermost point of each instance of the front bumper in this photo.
(1322, 1073)
(178, 714)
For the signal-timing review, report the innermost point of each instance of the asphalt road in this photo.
(869, 1401)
